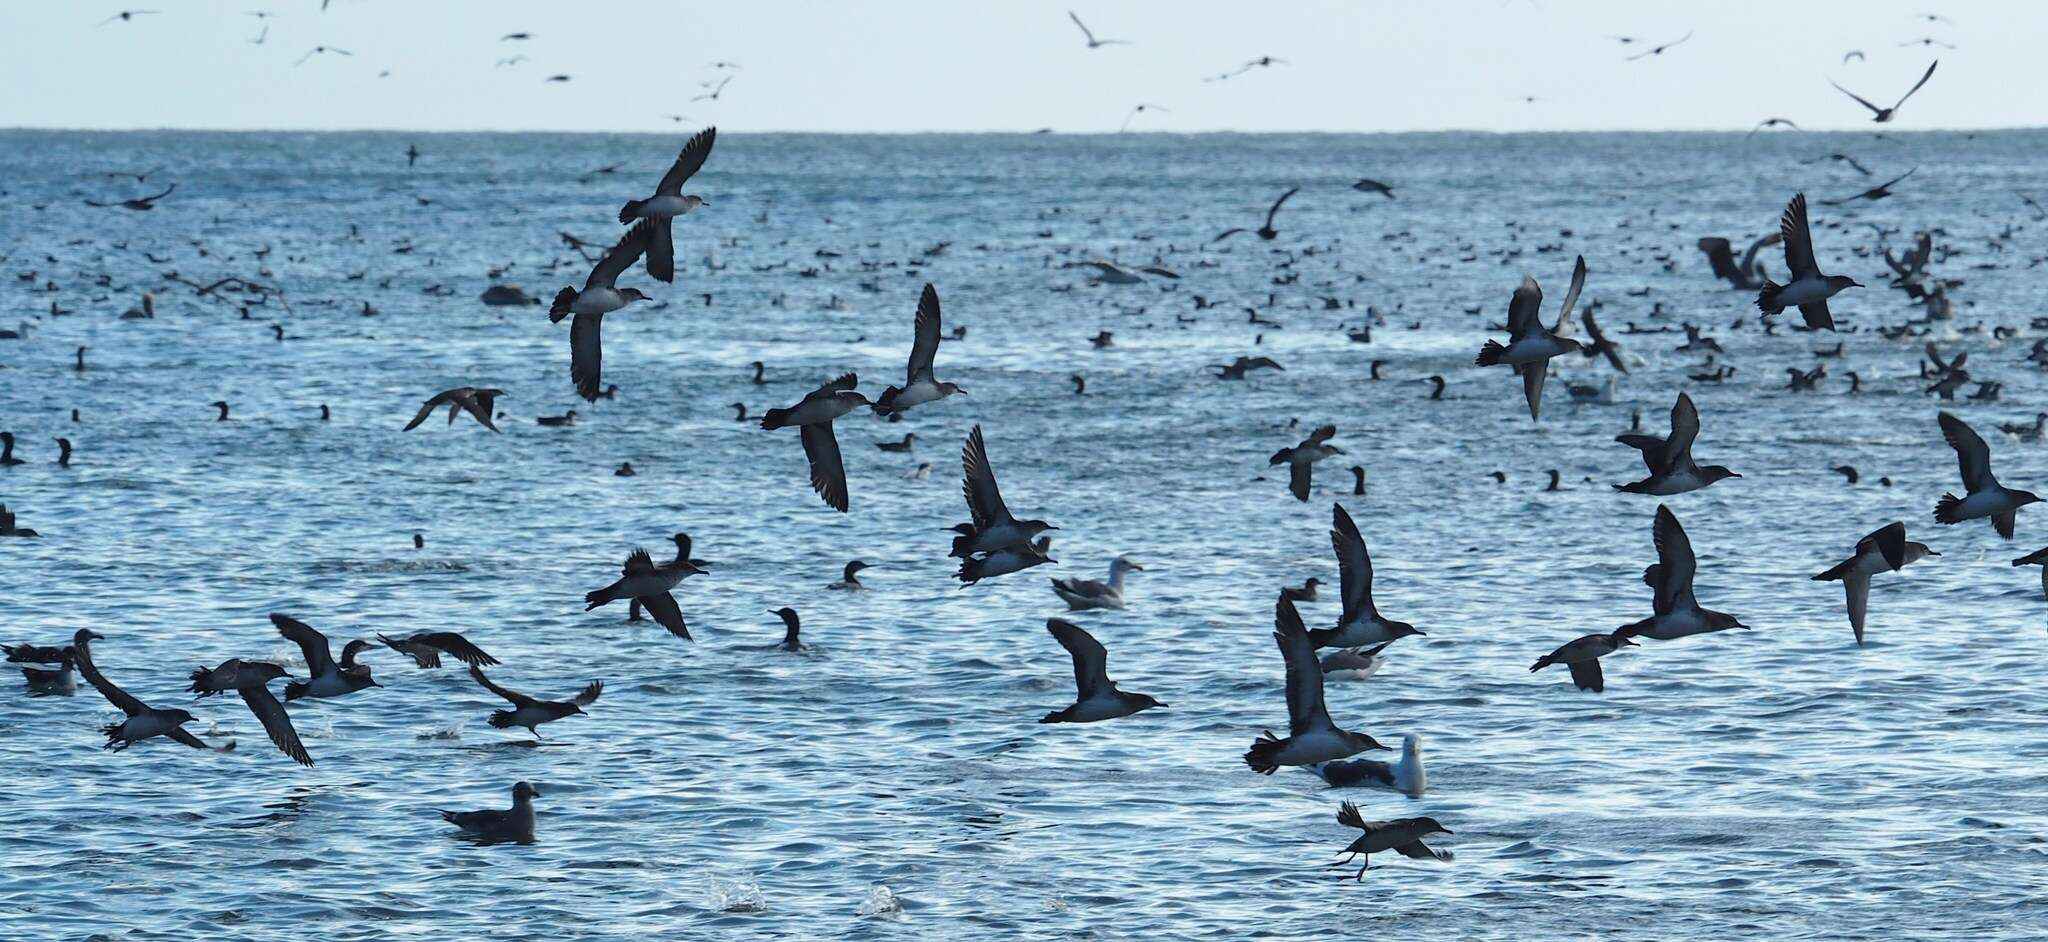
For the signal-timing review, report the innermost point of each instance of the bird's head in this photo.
(524, 790)
(1721, 620)
(1145, 702)
(1128, 564)
(179, 717)
(1362, 741)
(1715, 472)
(85, 635)
(1401, 629)
(2023, 498)
(259, 672)
(632, 294)
(1838, 282)
(1429, 825)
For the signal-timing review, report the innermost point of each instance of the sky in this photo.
(982, 65)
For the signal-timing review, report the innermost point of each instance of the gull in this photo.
(1530, 344)
(993, 528)
(1983, 495)
(1582, 657)
(644, 582)
(1299, 459)
(713, 94)
(1877, 192)
(1807, 289)
(1406, 776)
(1097, 698)
(426, 647)
(599, 297)
(1360, 624)
(318, 50)
(1886, 549)
(919, 386)
(1312, 737)
(530, 712)
(1266, 232)
(1659, 50)
(128, 16)
(143, 721)
(1884, 115)
(140, 204)
(326, 677)
(1676, 613)
(1084, 594)
(1135, 112)
(669, 202)
(490, 824)
(813, 417)
(1401, 835)
(477, 402)
(1094, 43)
(1672, 470)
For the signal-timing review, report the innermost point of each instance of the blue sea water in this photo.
(1774, 783)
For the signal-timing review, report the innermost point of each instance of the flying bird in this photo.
(1300, 458)
(1659, 50)
(1094, 43)
(600, 296)
(713, 94)
(477, 402)
(992, 528)
(1582, 657)
(1311, 736)
(1877, 192)
(1266, 232)
(426, 647)
(143, 721)
(128, 16)
(1886, 549)
(326, 677)
(1097, 698)
(318, 50)
(813, 417)
(141, 204)
(1672, 470)
(1401, 835)
(919, 385)
(1530, 344)
(530, 712)
(1135, 112)
(1773, 123)
(642, 581)
(1808, 289)
(1983, 496)
(1676, 613)
(1884, 115)
(669, 202)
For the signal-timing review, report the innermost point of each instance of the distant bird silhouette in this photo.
(1094, 43)
(1885, 115)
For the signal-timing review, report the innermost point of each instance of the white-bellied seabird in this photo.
(919, 386)
(849, 578)
(1672, 470)
(531, 712)
(1311, 736)
(1098, 699)
(1808, 289)
(1885, 550)
(1002, 562)
(1983, 495)
(643, 581)
(477, 402)
(1084, 594)
(813, 417)
(1406, 776)
(492, 825)
(1300, 458)
(600, 296)
(1401, 835)
(326, 677)
(1582, 657)
(1885, 115)
(45, 679)
(1530, 344)
(1676, 612)
(1361, 623)
(669, 202)
(426, 647)
(143, 722)
(1354, 663)
(992, 528)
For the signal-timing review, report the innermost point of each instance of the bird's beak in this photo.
(1446, 830)
(1933, 553)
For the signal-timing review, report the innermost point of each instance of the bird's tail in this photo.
(970, 571)
(295, 689)
(502, 719)
(1491, 354)
(1543, 662)
(1263, 757)
(1948, 509)
(560, 308)
(1321, 637)
(600, 597)
(200, 676)
(1053, 717)
(113, 731)
(775, 418)
(1841, 569)
(630, 210)
(1767, 298)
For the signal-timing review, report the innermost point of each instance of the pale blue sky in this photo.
(957, 65)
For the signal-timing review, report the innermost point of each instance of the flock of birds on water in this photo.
(993, 543)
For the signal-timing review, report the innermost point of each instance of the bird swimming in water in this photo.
(668, 202)
(45, 679)
(530, 712)
(790, 642)
(1406, 776)
(557, 421)
(326, 677)
(919, 386)
(1401, 835)
(1672, 470)
(1084, 594)
(1312, 737)
(477, 402)
(1582, 657)
(1884, 550)
(1300, 458)
(908, 443)
(1306, 592)
(491, 825)
(1097, 696)
(600, 296)
(849, 579)
(1809, 289)
(1361, 623)
(813, 417)
(650, 585)
(1530, 344)
(1676, 612)
(1983, 495)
